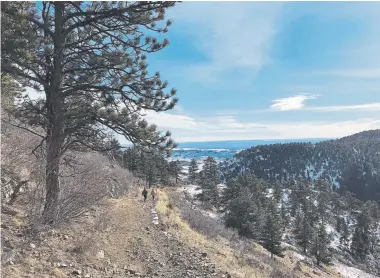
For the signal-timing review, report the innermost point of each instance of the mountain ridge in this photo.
(331, 160)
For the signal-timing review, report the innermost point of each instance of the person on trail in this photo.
(153, 193)
(145, 194)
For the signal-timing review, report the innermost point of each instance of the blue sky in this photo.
(270, 70)
(251, 70)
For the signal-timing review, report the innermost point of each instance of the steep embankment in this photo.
(240, 257)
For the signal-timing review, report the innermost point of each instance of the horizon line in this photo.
(247, 140)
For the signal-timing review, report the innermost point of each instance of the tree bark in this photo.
(55, 137)
(52, 178)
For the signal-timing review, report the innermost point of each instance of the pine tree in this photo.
(323, 198)
(245, 214)
(304, 228)
(320, 245)
(294, 199)
(272, 233)
(163, 170)
(175, 169)
(193, 171)
(338, 206)
(365, 239)
(284, 215)
(231, 192)
(9, 91)
(89, 59)
(209, 179)
(130, 159)
(278, 193)
(344, 231)
(353, 204)
(149, 169)
(361, 238)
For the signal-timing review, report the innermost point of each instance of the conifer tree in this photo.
(360, 244)
(231, 192)
(295, 199)
(209, 179)
(338, 206)
(284, 215)
(246, 214)
(89, 58)
(130, 159)
(320, 245)
(272, 233)
(10, 90)
(304, 228)
(373, 210)
(175, 169)
(365, 239)
(278, 193)
(344, 231)
(163, 170)
(322, 208)
(193, 171)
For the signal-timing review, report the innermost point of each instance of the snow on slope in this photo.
(351, 272)
(346, 271)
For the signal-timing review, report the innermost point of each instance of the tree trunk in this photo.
(52, 178)
(55, 138)
(54, 144)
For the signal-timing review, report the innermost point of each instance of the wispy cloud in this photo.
(352, 73)
(187, 128)
(291, 103)
(240, 35)
(358, 107)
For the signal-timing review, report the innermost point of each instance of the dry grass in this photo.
(224, 256)
(241, 258)
(85, 178)
(204, 224)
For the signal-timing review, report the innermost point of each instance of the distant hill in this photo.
(242, 144)
(351, 163)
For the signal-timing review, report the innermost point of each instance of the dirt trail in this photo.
(122, 238)
(140, 242)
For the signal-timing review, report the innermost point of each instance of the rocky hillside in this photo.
(121, 238)
(333, 160)
(129, 238)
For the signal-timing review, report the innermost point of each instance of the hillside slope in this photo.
(118, 239)
(333, 160)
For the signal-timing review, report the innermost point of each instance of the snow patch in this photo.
(351, 272)
(191, 189)
(155, 217)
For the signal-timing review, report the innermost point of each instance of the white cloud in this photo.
(231, 35)
(186, 128)
(353, 73)
(291, 103)
(173, 121)
(298, 103)
(359, 107)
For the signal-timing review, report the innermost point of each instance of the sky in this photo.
(274, 70)
(270, 70)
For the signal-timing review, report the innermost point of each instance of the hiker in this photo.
(145, 194)
(153, 193)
